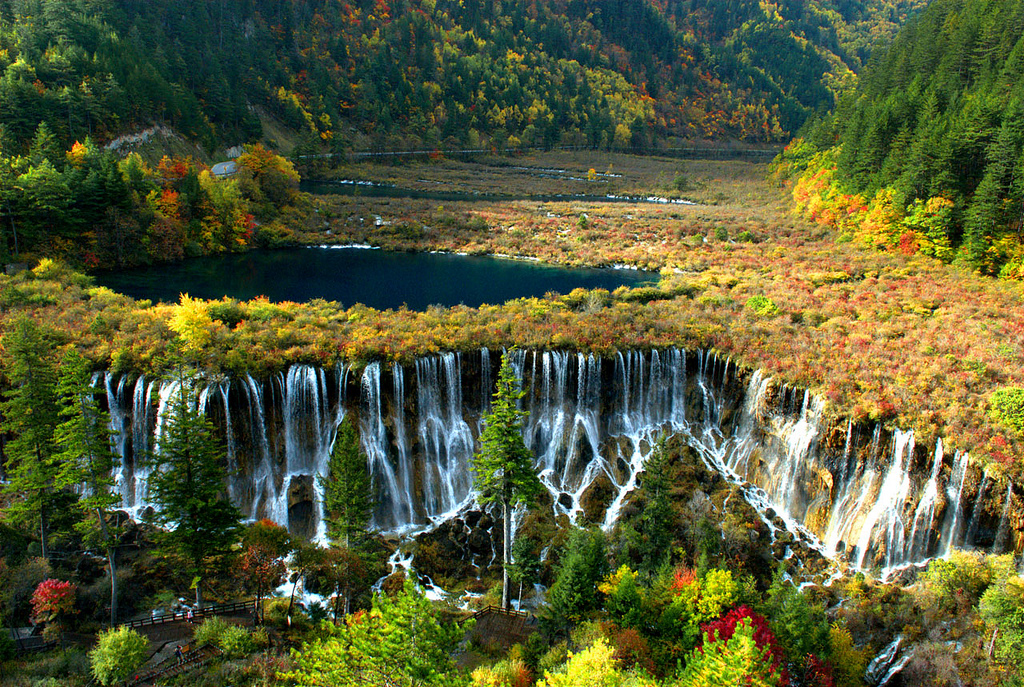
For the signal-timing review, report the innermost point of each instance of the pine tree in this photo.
(85, 458)
(656, 519)
(187, 487)
(348, 506)
(346, 488)
(574, 593)
(525, 566)
(503, 469)
(29, 412)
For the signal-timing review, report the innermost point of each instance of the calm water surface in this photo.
(380, 279)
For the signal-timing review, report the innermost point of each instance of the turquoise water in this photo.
(380, 279)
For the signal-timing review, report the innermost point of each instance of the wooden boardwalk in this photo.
(192, 658)
(501, 626)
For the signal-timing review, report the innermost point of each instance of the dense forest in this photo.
(333, 76)
(580, 72)
(926, 155)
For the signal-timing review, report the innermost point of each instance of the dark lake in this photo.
(377, 278)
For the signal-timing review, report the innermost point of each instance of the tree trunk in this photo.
(506, 557)
(111, 563)
(199, 594)
(45, 550)
(111, 553)
(291, 597)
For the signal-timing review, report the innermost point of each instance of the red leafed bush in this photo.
(52, 599)
(724, 627)
(683, 578)
(818, 673)
(631, 649)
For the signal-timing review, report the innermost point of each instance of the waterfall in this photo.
(1003, 528)
(592, 424)
(925, 513)
(390, 499)
(266, 481)
(404, 511)
(445, 437)
(954, 494)
(979, 503)
(120, 428)
(887, 511)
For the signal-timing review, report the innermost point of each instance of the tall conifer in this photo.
(29, 413)
(187, 486)
(503, 469)
(85, 458)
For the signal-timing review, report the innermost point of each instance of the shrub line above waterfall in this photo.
(944, 393)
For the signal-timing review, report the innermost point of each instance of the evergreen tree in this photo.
(503, 469)
(656, 519)
(525, 566)
(574, 593)
(85, 458)
(29, 412)
(187, 487)
(346, 488)
(801, 627)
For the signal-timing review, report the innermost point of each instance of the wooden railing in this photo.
(500, 611)
(217, 609)
(31, 645)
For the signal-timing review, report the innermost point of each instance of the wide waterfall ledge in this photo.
(862, 495)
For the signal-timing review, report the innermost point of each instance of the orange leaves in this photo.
(167, 203)
(174, 169)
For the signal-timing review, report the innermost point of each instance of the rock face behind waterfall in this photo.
(871, 496)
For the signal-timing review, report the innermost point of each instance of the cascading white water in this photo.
(392, 501)
(592, 423)
(446, 440)
(1003, 528)
(925, 513)
(887, 512)
(119, 426)
(954, 493)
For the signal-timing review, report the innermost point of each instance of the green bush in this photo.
(236, 642)
(966, 573)
(644, 294)
(118, 653)
(762, 305)
(1007, 407)
(211, 631)
(275, 613)
(7, 647)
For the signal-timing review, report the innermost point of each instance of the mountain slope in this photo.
(368, 72)
(934, 138)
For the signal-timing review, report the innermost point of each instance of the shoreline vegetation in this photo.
(881, 336)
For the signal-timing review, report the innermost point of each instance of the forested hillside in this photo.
(926, 155)
(627, 73)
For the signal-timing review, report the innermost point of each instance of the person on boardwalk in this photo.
(177, 653)
(191, 615)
